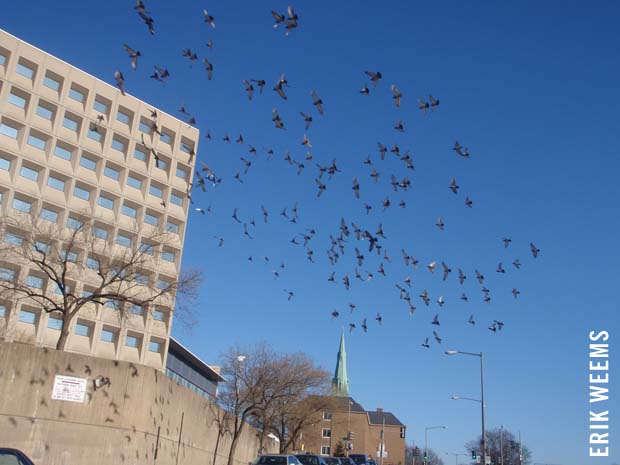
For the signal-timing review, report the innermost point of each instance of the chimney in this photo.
(379, 410)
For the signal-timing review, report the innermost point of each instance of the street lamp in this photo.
(483, 442)
(465, 398)
(426, 439)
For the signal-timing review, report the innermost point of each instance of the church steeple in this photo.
(340, 382)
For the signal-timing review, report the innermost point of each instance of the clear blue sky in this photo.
(530, 89)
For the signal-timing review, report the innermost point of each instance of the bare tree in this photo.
(414, 455)
(223, 421)
(260, 383)
(504, 442)
(64, 270)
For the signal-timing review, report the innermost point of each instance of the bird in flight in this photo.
(374, 77)
(396, 95)
(440, 224)
(307, 119)
(133, 54)
(535, 251)
(208, 18)
(120, 81)
(249, 88)
(317, 102)
(425, 343)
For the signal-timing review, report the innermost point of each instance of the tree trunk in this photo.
(233, 444)
(64, 334)
(217, 445)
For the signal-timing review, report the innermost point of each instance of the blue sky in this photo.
(530, 89)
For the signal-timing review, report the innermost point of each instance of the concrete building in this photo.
(357, 430)
(72, 145)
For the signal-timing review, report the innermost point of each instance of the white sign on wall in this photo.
(69, 388)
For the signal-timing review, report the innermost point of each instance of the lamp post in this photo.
(484, 440)
(501, 445)
(426, 439)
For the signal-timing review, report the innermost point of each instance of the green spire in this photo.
(340, 382)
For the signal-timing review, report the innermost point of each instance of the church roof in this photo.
(376, 418)
(340, 381)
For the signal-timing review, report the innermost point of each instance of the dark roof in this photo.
(376, 418)
(180, 351)
(342, 404)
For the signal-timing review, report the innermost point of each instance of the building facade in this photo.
(349, 426)
(72, 146)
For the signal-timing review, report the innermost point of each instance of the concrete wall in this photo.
(117, 424)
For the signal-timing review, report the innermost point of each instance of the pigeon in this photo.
(479, 277)
(535, 251)
(365, 90)
(423, 105)
(425, 343)
(356, 188)
(462, 276)
(307, 119)
(260, 83)
(399, 126)
(434, 102)
(506, 241)
(133, 54)
(235, 217)
(335, 313)
(279, 88)
(374, 77)
(364, 326)
(351, 327)
(382, 150)
(437, 338)
(493, 327)
(468, 202)
(515, 292)
(278, 18)
(265, 213)
(436, 320)
(446, 270)
(352, 307)
(220, 241)
(208, 68)
(471, 320)
(379, 318)
(317, 102)
(431, 266)
(305, 141)
(499, 324)
(464, 297)
(441, 301)
(500, 268)
(249, 88)
(396, 95)
(440, 224)
(208, 18)
(454, 187)
(425, 297)
(517, 263)
(120, 81)
(199, 210)
(291, 294)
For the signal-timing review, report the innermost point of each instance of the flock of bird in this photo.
(348, 237)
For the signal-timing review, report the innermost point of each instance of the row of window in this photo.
(104, 200)
(65, 151)
(79, 94)
(85, 330)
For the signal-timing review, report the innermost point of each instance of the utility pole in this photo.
(382, 438)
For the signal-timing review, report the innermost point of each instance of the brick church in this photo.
(351, 429)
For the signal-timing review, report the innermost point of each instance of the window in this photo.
(45, 111)
(130, 211)
(100, 105)
(29, 173)
(55, 183)
(108, 335)
(186, 146)
(63, 152)
(325, 450)
(166, 138)
(159, 315)
(142, 279)
(134, 182)
(82, 329)
(5, 164)
(27, 316)
(131, 341)
(123, 240)
(22, 205)
(36, 142)
(111, 173)
(49, 215)
(92, 263)
(77, 94)
(81, 193)
(151, 219)
(17, 100)
(402, 432)
(100, 233)
(74, 223)
(34, 281)
(51, 82)
(154, 346)
(162, 284)
(136, 309)
(176, 199)
(94, 133)
(2, 59)
(70, 122)
(88, 163)
(144, 127)
(327, 416)
(111, 304)
(7, 274)
(2, 306)
(168, 255)
(42, 247)
(124, 116)
(118, 144)
(162, 164)
(25, 69)
(172, 227)
(140, 154)
(327, 433)
(14, 239)
(146, 248)
(8, 130)
(55, 323)
(106, 202)
(181, 172)
(156, 191)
